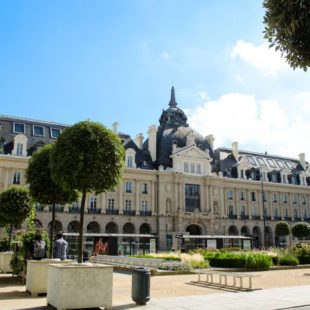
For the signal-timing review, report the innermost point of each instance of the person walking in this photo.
(60, 247)
(39, 247)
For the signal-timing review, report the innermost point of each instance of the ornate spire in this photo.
(172, 103)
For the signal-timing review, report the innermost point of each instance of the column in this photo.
(137, 195)
(153, 196)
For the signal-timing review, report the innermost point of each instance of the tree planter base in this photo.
(78, 286)
(37, 273)
(5, 259)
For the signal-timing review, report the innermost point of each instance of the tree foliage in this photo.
(287, 28)
(89, 158)
(15, 205)
(41, 185)
(282, 229)
(43, 188)
(301, 230)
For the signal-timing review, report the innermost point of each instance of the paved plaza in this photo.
(281, 289)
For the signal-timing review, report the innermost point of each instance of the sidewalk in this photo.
(283, 289)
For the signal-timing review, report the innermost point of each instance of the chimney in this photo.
(152, 132)
(302, 160)
(115, 127)
(139, 140)
(210, 140)
(235, 151)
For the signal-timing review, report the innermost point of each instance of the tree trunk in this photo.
(52, 231)
(80, 245)
(10, 235)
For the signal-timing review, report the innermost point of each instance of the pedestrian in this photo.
(39, 247)
(60, 247)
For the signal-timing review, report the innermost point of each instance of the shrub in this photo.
(288, 260)
(195, 260)
(303, 255)
(4, 245)
(174, 266)
(258, 261)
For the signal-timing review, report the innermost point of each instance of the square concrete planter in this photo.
(5, 259)
(37, 272)
(78, 286)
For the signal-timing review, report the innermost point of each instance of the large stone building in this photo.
(174, 183)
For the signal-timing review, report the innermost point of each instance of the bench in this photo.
(124, 261)
(226, 279)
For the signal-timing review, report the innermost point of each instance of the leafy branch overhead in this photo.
(287, 28)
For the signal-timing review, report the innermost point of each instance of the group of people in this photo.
(60, 247)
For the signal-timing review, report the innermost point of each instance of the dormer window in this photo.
(18, 128)
(19, 149)
(130, 158)
(185, 167)
(129, 161)
(38, 130)
(55, 133)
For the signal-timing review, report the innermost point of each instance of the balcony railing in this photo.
(268, 217)
(129, 212)
(256, 217)
(74, 210)
(277, 218)
(112, 211)
(244, 217)
(146, 213)
(287, 218)
(232, 216)
(57, 208)
(307, 219)
(94, 211)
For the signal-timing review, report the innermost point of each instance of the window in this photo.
(129, 161)
(293, 179)
(192, 165)
(261, 161)
(286, 212)
(305, 213)
(128, 187)
(18, 128)
(192, 197)
(253, 196)
(16, 177)
(229, 194)
(271, 163)
(303, 200)
(294, 199)
(19, 149)
(289, 165)
(55, 133)
(265, 196)
(198, 169)
(251, 160)
(295, 213)
(186, 167)
(144, 188)
(285, 198)
(275, 197)
(280, 164)
(38, 130)
(241, 195)
(242, 211)
(127, 204)
(144, 205)
(111, 204)
(275, 212)
(93, 202)
(231, 210)
(274, 178)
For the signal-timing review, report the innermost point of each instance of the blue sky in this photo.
(107, 61)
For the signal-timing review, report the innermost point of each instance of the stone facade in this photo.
(175, 182)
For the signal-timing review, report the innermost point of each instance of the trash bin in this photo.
(140, 289)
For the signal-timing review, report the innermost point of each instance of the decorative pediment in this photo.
(190, 151)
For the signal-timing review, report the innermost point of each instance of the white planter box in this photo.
(37, 272)
(78, 286)
(5, 258)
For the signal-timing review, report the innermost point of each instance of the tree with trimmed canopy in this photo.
(301, 230)
(87, 157)
(42, 187)
(282, 229)
(15, 207)
(288, 30)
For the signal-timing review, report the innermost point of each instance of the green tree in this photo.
(287, 28)
(282, 229)
(89, 158)
(15, 207)
(43, 188)
(301, 230)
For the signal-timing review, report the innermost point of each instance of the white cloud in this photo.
(257, 125)
(261, 57)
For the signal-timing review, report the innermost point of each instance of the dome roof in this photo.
(174, 129)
